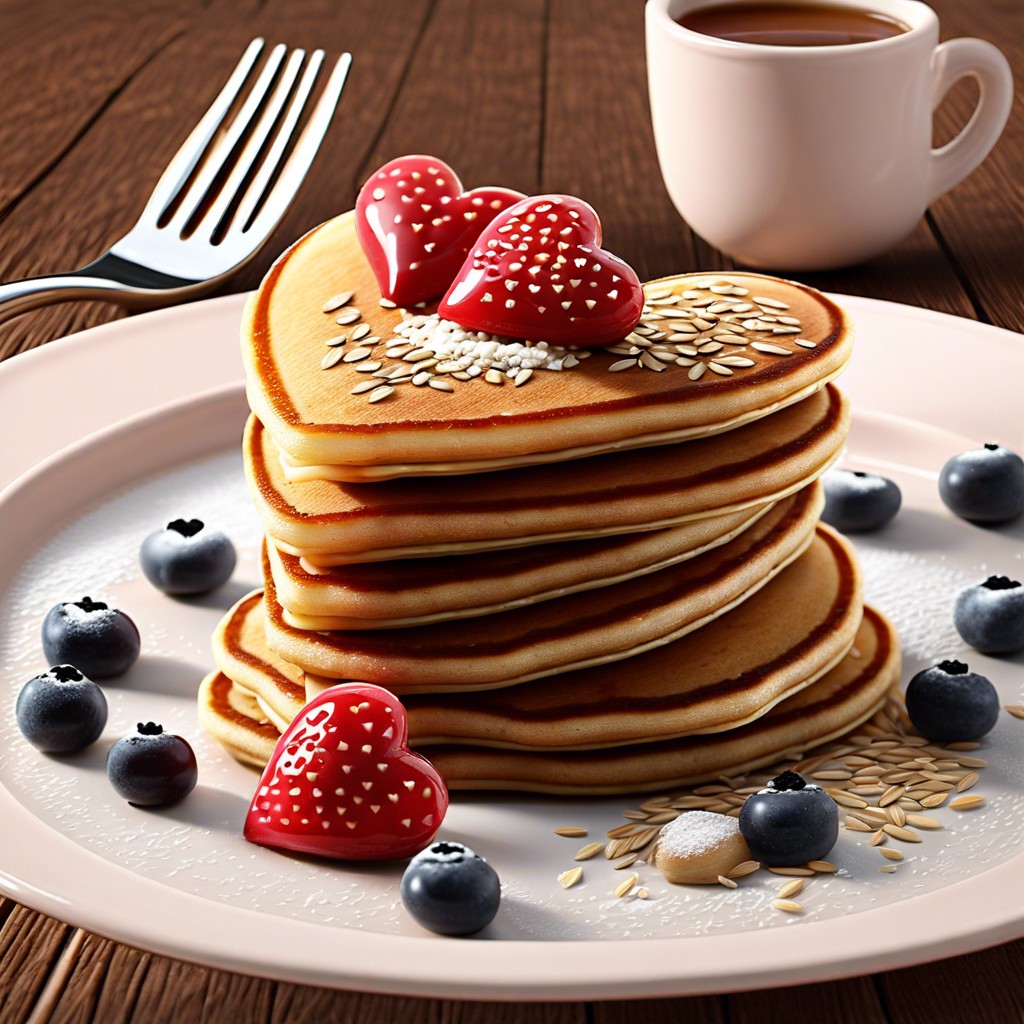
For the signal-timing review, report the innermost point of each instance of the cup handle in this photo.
(951, 61)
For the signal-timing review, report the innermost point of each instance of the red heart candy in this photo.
(538, 272)
(343, 783)
(416, 225)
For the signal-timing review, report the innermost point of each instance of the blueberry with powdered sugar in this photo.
(789, 822)
(98, 640)
(61, 711)
(187, 558)
(949, 703)
(990, 615)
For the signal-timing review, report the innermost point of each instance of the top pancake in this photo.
(581, 410)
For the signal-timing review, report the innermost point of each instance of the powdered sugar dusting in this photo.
(696, 832)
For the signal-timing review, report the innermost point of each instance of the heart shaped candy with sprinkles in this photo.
(416, 225)
(538, 272)
(343, 783)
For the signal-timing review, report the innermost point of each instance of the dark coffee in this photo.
(792, 24)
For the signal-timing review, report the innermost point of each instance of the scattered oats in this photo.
(887, 869)
(696, 371)
(966, 803)
(363, 386)
(642, 894)
(856, 825)
(337, 301)
(822, 867)
(934, 800)
(746, 867)
(923, 821)
(878, 838)
(440, 385)
(361, 332)
(832, 774)
(421, 378)
(790, 888)
(662, 817)
(623, 364)
(332, 357)
(626, 862)
(337, 340)
(1017, 710)
(973, 762)
(798, 871)
(381, 393)
(626, 885)
(588, 851)
(845, 800)
(727, 882)
(788, 906)
(571, 831)
(348, 316)
(905, 835)
(567, 879)
(368, 367)
(722, 371)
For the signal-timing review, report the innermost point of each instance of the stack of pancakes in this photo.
(603, 575)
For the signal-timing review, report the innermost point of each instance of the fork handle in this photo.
(137, 288)
(19, 297)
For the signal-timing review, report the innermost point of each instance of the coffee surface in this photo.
(792, 24)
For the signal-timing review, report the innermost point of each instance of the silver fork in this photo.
(219, 198)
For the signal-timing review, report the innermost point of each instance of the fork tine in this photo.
(226, 144)
(255, 193)
(297, 164)
(184, 161)
(231, 188)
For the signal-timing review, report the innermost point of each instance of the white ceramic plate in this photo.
(113, 432)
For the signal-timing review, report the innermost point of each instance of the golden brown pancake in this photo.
(838, 702)
(410, 592)
(722, 676)
(583, 629)
(779, 341)
(335, 523)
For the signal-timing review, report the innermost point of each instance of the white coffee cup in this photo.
(808, 158)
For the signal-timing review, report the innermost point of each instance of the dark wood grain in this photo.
(29, 947)
(540, 95)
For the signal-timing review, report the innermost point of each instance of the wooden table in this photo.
(539, 95)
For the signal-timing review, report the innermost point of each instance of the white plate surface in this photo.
(124, 427)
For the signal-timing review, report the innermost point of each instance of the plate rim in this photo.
(503, 969)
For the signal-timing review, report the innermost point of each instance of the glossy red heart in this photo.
(416, 225)
(539, 272)
(343, 783)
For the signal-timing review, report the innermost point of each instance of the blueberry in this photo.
(151, 767)
(450, 889)
(61, 711)
(98, 640)
(990, 615)
(948, 703)
(856, 502)
(790, 822)
(985, 485)
(187, 558)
